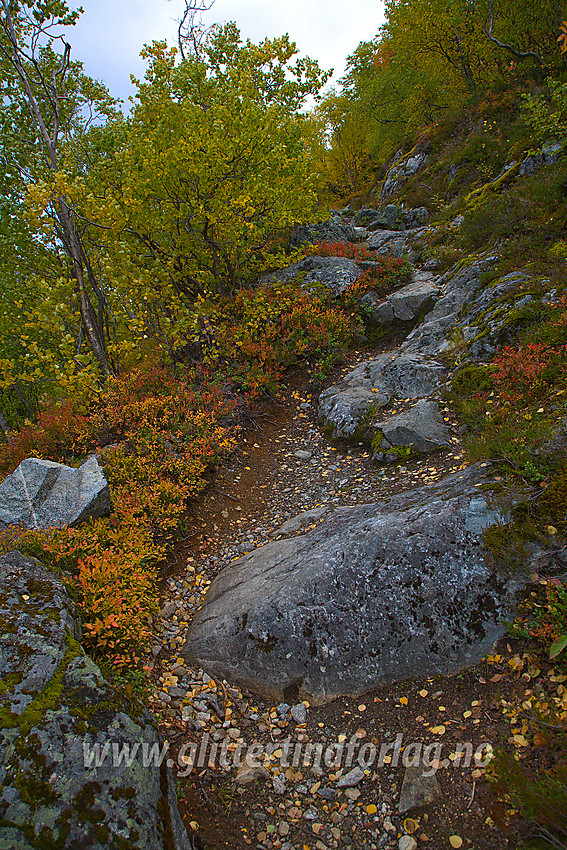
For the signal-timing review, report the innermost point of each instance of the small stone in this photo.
(326, 793)
(389, 826)
(303, 455)
(299, 713)
(352, 794)
(407, 842)
(282, 709)
(419, 788)
(279, 784)
(352, 778)
(247, 773)
(283, 828)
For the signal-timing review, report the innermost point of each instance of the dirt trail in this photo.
(264, 484)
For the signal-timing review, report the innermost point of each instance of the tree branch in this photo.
(519, 54)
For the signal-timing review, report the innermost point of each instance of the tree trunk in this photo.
(88, 317)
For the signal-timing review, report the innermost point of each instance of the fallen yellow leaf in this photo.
(410, 826)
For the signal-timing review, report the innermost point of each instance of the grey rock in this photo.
(421, 428)
(350, 407)
(299, 713)
(58, 710)
(303, 455)
(336, 273)
(417, 217)
(346, 408)
(397, 243)
(361, 234)
(548, 155)
(327, 793)
(401, 171)
(291, 526)
(389, 242)
(407, 842)
(386, 218)
(278, 783)
(44, 494)
(366, 216)
(413, 300)
(377, 593)
(431, 265)
(332, 230)
(404, 305)
(460, 285)
(352, 778)
(419, 788)
(378, 310)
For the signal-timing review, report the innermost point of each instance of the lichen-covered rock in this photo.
(420, 429)
(397, 243)
(349, 407)
(44, 494)
(375, 594)
(394, 242)
(547, 155)
(332, 230)
(79, 766)
(417, 217)
(389, 217)
(402, 170)
(459, 287)
(346, 409)
(406, 304)
(335, 273)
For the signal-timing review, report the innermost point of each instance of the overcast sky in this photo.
(111, 33)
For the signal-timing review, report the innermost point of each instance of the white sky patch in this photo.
(109, 36)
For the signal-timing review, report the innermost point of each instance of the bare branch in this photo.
(519, 54)
(191, 31)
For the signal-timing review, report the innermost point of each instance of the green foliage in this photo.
(538, 788)
(546, 114)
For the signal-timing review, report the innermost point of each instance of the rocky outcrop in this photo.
(460, 286)
(44, 494)
(391, 217)
(76, 764)
(404, 305)
(375, 594)
(397, 243)
(419, 430)
(402, 170)
(351, 406)
(332, 230)
(335, 273)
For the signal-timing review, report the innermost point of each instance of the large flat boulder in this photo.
(76, 768)
(375, 594)
(44, 494)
